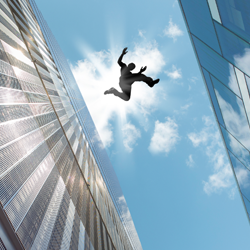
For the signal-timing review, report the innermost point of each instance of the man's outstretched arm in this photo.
(142, 70)
(121, 56)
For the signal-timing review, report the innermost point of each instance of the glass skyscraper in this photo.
(58, 189)
(220, 34)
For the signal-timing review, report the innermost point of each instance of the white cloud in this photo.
(175, 73)
(220, 180)
(210, 141)
(198, 138)
(190, 161)
(165, 137)
(232, 192)
(172, 30)
(130, 136)
(100, 71)
(183, 110)
(175, 3)
(193, 79)
(141, 33)
(208, 121)
(186, 107)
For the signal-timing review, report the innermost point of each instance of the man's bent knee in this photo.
(126, 98)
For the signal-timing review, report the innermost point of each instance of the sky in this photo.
(164, 143)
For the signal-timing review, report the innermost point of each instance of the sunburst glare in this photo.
(99, 71)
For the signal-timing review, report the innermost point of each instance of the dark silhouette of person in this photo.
(127, 79)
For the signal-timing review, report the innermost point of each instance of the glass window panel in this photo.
(236, 148)
(216, 65)
(233, 113)
(242, 175)
(86, 170)
(234, 49)
(247, 204)
(10, 35)
(200, 22)
(81, 236)
(1, 46)
(213, 97)
(248, 82)
(90, 179)
(214, 10)
(235, 16)
(244, 91)
(3, 56)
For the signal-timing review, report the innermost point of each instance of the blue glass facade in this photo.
(220, 34)
(58, 189)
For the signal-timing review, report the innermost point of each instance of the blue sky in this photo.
(164, 143)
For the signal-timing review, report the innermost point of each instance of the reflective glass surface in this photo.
(236, 148)
(200, 21)
(214, 10)
(242, 175)
(227, 74)
(248, 82)
(235, 16)
(233, 112)
(247, 204)
(215, 64)
(244, 91)
(213, 97)
(234, 49)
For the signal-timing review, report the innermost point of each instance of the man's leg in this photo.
(123, 95)
(141, 77)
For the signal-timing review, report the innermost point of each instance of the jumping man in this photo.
(127, 79)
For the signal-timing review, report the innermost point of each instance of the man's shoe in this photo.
(110, 91)
(154, 82)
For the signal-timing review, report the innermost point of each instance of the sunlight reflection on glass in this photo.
(17, 54)
(12, 96)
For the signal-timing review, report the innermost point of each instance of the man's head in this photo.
(131, 66)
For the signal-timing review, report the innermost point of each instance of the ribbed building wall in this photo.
(95, 143)
(52, 191)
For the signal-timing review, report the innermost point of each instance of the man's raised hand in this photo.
(143, 69)
(125, 51)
